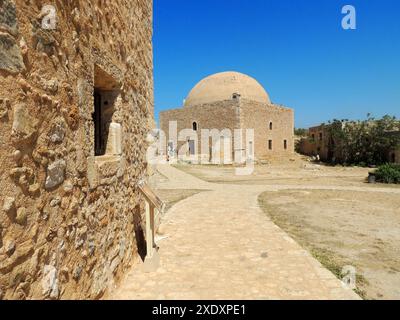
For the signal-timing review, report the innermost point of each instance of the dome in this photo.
(223, 86)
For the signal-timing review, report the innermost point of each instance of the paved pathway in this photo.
(222, 246)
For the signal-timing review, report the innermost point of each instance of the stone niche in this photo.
(108, 132)
(108, 162)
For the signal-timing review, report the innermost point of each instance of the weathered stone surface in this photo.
(9, 247)
(24, 126)
(52, 138)
(4, 108)
(22, 253)
(92, 173)
(114, 143)
(80, 237)
(57, 132)
(9, 205)
(22, 216)
(23, 176)
(99, 283)
(55, 202)
(10, 54)
(55, 174)
(17, 155)
(50, 287)
(51, 85)
(8, 17)
(77, 272)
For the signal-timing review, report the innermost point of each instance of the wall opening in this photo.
(107, 133)
(285, 144)
(194, 125)
(192, 147)
(271, 126)
(236, 96)
(270, 144)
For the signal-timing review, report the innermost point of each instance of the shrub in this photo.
(388, 173)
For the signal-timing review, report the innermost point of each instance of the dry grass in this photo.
(340, 228)
(172, 197)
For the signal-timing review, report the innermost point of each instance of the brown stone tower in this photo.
(76, 101)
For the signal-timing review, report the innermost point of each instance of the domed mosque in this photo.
(213, 124)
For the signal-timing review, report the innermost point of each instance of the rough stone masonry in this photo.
(70, 212)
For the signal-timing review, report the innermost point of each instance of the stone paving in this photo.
(221, 245)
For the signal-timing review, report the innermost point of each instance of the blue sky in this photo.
(296, 49)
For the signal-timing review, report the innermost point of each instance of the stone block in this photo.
(4, 108)
(55, 174)
(57, 131)
(24, 126)
(50, 282)
(114, 143)
(8, 17)
(10, 55)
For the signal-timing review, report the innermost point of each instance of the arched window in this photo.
(236, 96)
(194, 126)
(270, 126)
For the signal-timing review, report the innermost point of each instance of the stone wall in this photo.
(239, 114)
(219, 115)
(70, 222)
(270, 123)
(316, 143)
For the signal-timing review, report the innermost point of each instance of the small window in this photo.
(320, 136)
(285, 144)
(194, 126)
(313, 137)
(271, 126)
(270, 144)
(236, 96)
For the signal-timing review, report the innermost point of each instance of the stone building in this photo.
(320, 142)
(76, 103)
(212, 125)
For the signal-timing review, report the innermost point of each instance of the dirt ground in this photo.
(296, 172)
(341, 228)
(338, 226)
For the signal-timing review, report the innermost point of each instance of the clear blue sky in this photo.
(295, 48)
